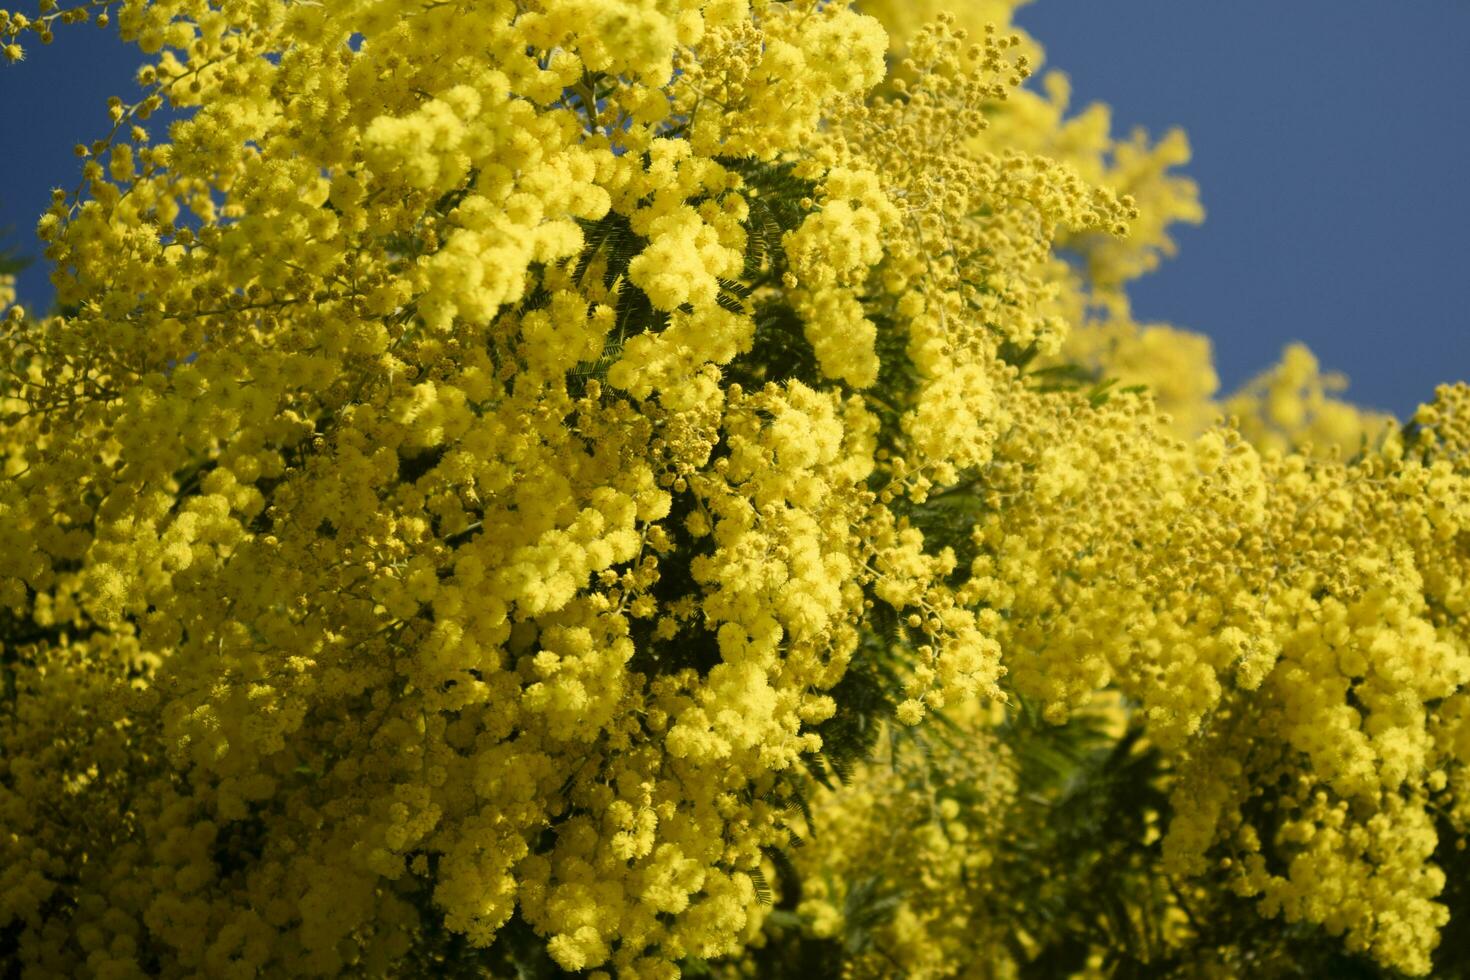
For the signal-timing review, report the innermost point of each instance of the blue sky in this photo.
(1332, 147)
(1331, 137)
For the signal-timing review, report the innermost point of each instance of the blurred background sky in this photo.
(1332, 148)
(1331, 144)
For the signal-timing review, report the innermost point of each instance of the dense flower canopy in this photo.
(674, 487)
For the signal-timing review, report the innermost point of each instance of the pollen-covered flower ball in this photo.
(637, 488)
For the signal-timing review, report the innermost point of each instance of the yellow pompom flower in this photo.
(634, 488)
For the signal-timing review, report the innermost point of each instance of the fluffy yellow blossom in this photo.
(631, 488)
(1292, 406)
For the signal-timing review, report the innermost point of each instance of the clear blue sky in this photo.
(1332, 146)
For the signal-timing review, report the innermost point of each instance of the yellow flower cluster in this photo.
(500, 460)
(1291, 408)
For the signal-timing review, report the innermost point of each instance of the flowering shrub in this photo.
(639, 488)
